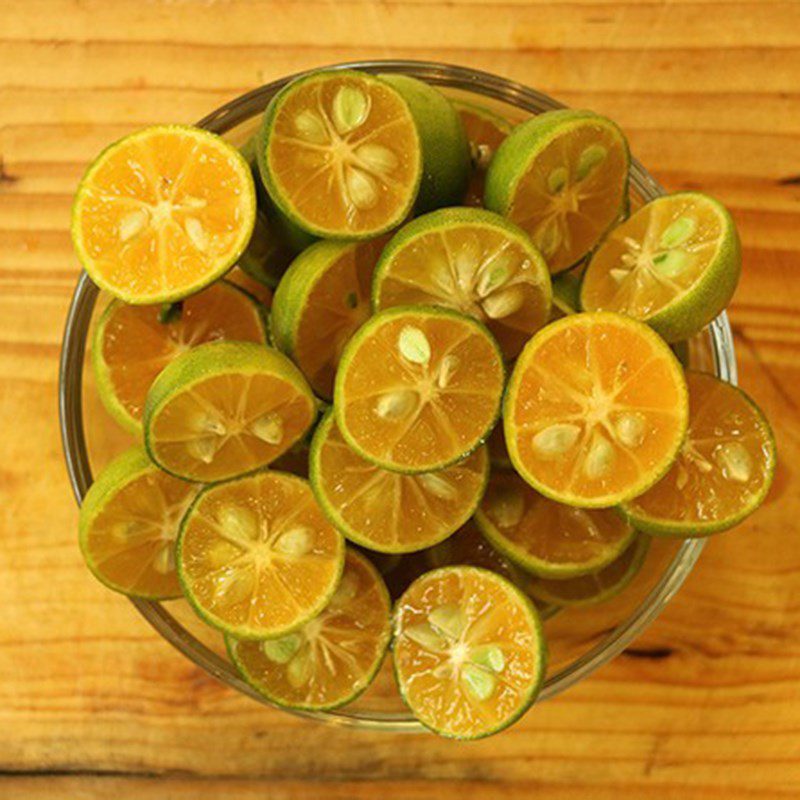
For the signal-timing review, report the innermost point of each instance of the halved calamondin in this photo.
(129, 523)
(333, 658)
(256, 557)
(473, 261)
(594, 587)
(389, 511)
(596, 410)
(224, 409)
(323, 298)
(546, 537)
(163, 213)
(562, 177)
(340, 154)
(724, 469)
(418, 388)
(469, 653)
(485, 131)
(674, 265)
(132, 344)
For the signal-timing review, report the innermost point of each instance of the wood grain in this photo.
(94, 704)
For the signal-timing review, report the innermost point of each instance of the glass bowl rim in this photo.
(70, 403)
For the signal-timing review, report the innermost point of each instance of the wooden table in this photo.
(94, 704)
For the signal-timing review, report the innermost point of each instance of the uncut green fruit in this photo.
(445, 147)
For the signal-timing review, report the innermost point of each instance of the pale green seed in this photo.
(489, 656)
(281, 650)
(449, 620)
(350, 108)
(480, 683)
(589, 159)
(413, 345)
(557, 180)
(671, 263)
(678, 232)
(425, 636)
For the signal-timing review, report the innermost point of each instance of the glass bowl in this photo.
(580, 640)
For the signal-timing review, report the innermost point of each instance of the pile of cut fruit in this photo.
(466, 387)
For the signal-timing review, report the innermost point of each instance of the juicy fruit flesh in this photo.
(131, 541)
(594, 587)
(420, 390)
(163, 209)
(485, 132)
(597, 409)
(476, 269)
(336, 307)
(257, 555)
(572, 192)
(545, 536)
(389, 511)
(345, 153)
(467, 651)
(725, 465)
(333, 657)
(136, 346)
(229, 424)
(654, 257)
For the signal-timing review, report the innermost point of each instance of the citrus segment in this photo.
(561, 176)
(333, 658)
(473, 261)
(445, 149)
(469, 653)
(128, 525)
(340, 154)
(596, 410)
(674, 264)
(131, 344)
(485, 132)
(389, 511)
(162, 213)
(256, 556)
(418, 388)
(545, 537)
(587, 590)
(225, 408)
(724, 469)
(323, 298)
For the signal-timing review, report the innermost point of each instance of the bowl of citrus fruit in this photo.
(395, 394)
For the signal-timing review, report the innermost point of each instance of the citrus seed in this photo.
(295, 542)
(132, 224)
(448, 620)
(599, 459)
(437, 486)
(589, 159)
(671, 263)
(396, 405)
(504, 303)
(239, 522)
(377, 157)
(299, 670)
(197, 234)
(557, 180)
(311, 127)
(478, 682)
(281, 650)
(630, 428)
(425, 636)
(489, 656)
(678, 232)
(555, 440)
(361, 188)
(268, 428)
(735, 462)
(350, 109)
(414, 345)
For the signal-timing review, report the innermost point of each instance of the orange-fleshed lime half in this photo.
(596, 410)
(224, 409)
(473, 261)
(724, 469)
(322, 299)
(128, 525)
(418, 388)
(596, 587)
(469, 654)
(162, 213)
(256, 557)
(674, 264)
(132, 344)
(390, 511)
(340, 154)
(333, 658)
(562, 176)
(546, 537)
(485, 131)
